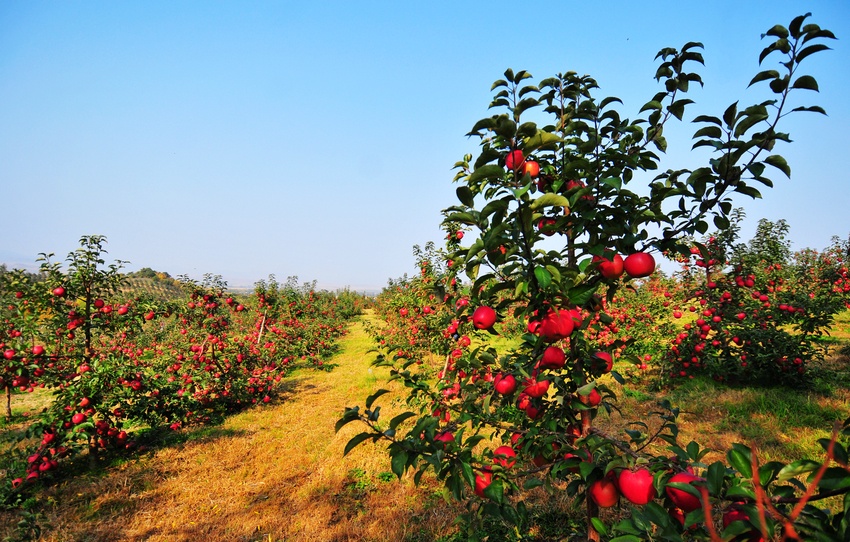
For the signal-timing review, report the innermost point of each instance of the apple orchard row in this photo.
(115, 364)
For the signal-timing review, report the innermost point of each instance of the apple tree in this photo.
(563, 213)
(759, 308)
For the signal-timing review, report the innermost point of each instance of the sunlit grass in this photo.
(277, 472)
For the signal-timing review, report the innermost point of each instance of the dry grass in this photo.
(272, 473)
(278, 473)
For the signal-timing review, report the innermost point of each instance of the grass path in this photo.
(272, 473)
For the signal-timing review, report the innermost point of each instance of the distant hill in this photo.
(157, 284)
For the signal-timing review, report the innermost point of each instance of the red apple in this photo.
(535, 388)
(735, 514)
(682, 499)
(636, 486)
(556, 325)
(403, 312)
(639, 264)
(592, 399)
(604, 361)
(504, 384)
(610, 269)
(604, 492)
(546, 223)
(444, 438)
(482, 481)
(553, 358)
(530, 168)
(9, 354)
(78, 418)
(504, 456)
(514, 160)
(484, 317)
(59, 291)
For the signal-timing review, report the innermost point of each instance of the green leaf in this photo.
(464, 194)
(586, 389)
(599, 526)
(721, 222)
(748, 122)
(796, 23)
(714, 477)
(495, 491)
(541, 140)
(626, 538)
(650, 105)
(797, 468)
(531, 483)
(763, 76)
(778, 31)
(740, 459)
(468, 473)
(778, 162)
(706, 118)
(371, 399)
(579, 295)
(833, 478)
(614, 182)
(355, 441)
(464, 218)
(779, 85)
(813, 109)
(349, 416)
(544, 278)
(708, 131)
(811, 49)
(549, 200)
(394, 423)
(399, 463)
(730, 115)
(490, 171)
(748, 191)
(806, 82)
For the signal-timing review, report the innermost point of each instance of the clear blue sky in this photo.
(317, 138)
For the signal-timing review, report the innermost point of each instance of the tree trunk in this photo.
(592, 508)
